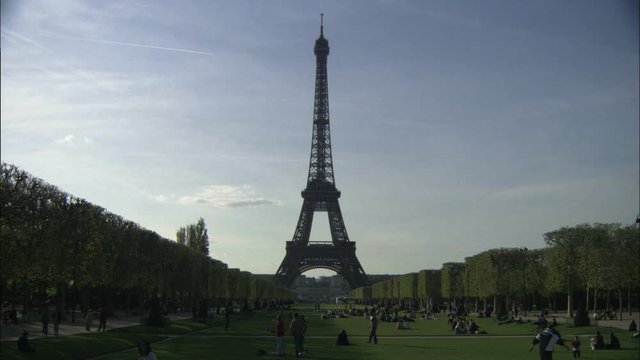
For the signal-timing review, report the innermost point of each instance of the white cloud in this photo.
(226, 196)
(528, 191)
(69, 139)
(159, 198)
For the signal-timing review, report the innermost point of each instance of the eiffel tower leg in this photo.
(303, 229)
(336, 223)
(288, 270)
(352, 271)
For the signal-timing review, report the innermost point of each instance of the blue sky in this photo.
(457, 126)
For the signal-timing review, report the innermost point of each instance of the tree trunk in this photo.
(86, 300)
(619, 303)
(61, 297)
(127, 303)
(595, 302)
(569, 304)
(587, 300)
(629, 299)
(25, 297)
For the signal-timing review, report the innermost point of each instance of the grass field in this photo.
(250, 332)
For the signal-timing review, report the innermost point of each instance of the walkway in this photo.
(14, 331)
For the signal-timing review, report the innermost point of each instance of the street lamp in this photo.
(524, 279)
(466, 268)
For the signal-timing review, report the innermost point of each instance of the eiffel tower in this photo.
(321, 194)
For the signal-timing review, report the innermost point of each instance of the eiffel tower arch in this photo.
(321, 195)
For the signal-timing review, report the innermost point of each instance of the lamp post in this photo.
(524, 278)
(466, 270)
(75, 263)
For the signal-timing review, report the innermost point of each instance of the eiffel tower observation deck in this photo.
(321, 195)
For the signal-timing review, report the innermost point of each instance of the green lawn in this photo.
(250, 332)
(74, 347)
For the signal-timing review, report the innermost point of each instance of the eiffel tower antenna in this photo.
(321, 195)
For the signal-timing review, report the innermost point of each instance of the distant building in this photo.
(324, 289)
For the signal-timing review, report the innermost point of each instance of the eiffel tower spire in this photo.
(321, 195)
(321, 162)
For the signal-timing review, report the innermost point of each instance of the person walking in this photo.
(575, 347)
(103, 320)
(280, 335)
(304, 333)
(548, 338)
(87, 320)
(45, 320)
(57, 317)
(297, 330)
(373, 328)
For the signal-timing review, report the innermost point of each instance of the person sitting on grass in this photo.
(614, 343)
(23, 343)
(144, 350)
(597, 342)
(343, 340)
(403, 325)
(472, 327)
(461, 327)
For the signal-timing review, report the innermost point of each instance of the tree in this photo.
(194, 236)
(566, 257)
(452, 280)
(54, 244)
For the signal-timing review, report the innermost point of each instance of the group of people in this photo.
(460, 325)
(298, 328)
(102, 316)
(597, 342)
(55, 317)
(335, 314)
(548, 338)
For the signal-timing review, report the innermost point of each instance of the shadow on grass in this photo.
(80, 346)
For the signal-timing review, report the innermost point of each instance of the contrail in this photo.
(121, 43)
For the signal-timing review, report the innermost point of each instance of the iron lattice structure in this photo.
(321, 194)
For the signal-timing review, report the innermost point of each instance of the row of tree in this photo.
(57, 247)
(586, 260)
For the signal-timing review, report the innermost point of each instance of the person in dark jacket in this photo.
(614, 343)
(343, 339)
(547, 340)
(280, 335)
(23, 343)
(373, 329)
